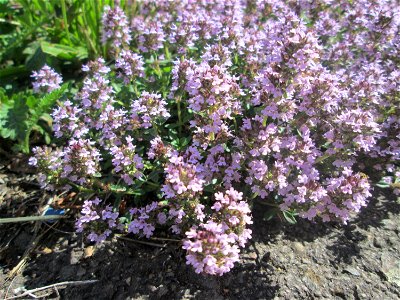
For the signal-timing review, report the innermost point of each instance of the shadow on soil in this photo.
(125, 269)
(380, 206)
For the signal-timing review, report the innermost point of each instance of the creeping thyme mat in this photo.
(203, 110)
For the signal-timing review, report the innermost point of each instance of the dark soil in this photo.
(360, 260)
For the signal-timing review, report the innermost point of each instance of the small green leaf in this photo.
(289, 217)
(170, 126)
(118, 188)
(184, 141)
(382, 184)
(117, 203)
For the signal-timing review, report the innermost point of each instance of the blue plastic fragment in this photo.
(54, 212)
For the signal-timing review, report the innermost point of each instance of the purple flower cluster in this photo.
(145, 218)
(115, 29)
(49, 163)
(96, 91)
(130, 64)
(213, 96)
(97, 220)
(158, 150)
(126, 161)
(149, 34)
(210, 249)
(183, 179)
(80, 161)
(77, 164)
(92, 114)
(148, 108)
(213, 246)
(46, 80)
(234, 215)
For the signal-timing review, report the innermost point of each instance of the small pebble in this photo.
(298, 248)
(379, 242)
(352, 271)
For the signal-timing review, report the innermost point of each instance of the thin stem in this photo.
(165, 239)
(30, 219)
(2, 20)
(322, 158)
(64, 12)
(135, 89)
(52, 286)
(235, 123)
(179, 116)
(26, 141)
(89, 40)
(140, 242)
(152, 184)
(268, 204)
(97, 9)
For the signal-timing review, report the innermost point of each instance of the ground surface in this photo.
(358, 261)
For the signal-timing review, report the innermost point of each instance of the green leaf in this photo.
(151, 188)
(209, 188)
(117, 203)
(36, 58)
(175, 143)
(382, 184)
(44, 105)
(171, 126)
(118, 188)
(13, 71)
(264, 122)
(64, 52)
(289, 217)
(167, 69)
(47, 119)
(184, 141)
(50, 99)
(13, 119)
(155, 175)
(32, 101)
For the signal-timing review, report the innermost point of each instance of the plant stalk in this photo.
(30, 219)
(64, 12)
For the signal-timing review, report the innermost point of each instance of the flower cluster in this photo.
(158, 150)
(291, 103)
(149, 34)
(213, 94)
(145, 218)
(115, 28)
(99, 222)
(46, 80)
(130, 64)
(210, 249)
(183, 179)
(148, 108)
(234, 215)
(126, 161)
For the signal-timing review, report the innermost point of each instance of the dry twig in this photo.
(141, 242)
(52, 286)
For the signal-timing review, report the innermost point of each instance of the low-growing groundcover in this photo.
(211, 106)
